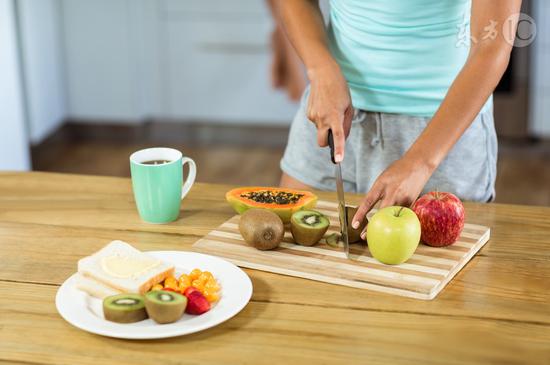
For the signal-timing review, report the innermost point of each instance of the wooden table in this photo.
(497, 310)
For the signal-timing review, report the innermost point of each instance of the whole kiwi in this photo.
(261, 229)
(354, 235)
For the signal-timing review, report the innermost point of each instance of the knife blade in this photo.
(341, 200)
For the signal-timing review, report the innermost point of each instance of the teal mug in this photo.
(157, 181)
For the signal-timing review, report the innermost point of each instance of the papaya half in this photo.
(281, 201)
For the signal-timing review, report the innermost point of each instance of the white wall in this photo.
(14, 152)
(40, 35)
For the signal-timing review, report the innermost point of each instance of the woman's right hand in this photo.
(329, 106)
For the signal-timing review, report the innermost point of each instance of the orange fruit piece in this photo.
(157, 287)
(211, 296)
(206, 275)
(195, 274)
(212, 285)
(184, 280)
(171, 283)
(199, 284)
(182, 288)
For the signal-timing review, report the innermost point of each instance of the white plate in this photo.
(86, 313)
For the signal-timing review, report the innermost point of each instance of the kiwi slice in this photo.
(165, 306)
(124, 308)
(308, 226)
(261, 228)
(332, 240)
(354, 235)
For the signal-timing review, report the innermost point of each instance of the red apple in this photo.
(441, 218)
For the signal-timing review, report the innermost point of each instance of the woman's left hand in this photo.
(400, 184)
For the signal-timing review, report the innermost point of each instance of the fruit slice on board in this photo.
(354, 235)
(308, 227)
(281, 201)
(332, 240)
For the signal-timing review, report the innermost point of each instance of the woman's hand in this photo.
(400, 184)
(330, 106)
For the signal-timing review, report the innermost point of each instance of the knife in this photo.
(341, 201)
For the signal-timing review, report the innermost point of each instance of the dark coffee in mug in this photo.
(158, 184)
(156, 162)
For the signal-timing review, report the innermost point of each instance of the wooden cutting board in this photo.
(423, 276)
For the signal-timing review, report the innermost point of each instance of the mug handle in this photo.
(190, 177)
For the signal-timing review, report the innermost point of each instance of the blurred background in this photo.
(83, 83)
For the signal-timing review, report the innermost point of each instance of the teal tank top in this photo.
(400, 56)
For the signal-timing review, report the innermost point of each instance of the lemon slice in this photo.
(128, 266)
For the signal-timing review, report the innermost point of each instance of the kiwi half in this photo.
(165, 306)
(124, 308)
(354, 235)
(261, 228)
(308, 226)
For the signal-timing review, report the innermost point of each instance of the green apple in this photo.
(393, 234)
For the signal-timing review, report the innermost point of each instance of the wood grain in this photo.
(422, 277)
(273, 333)
(498, 289)
(497, 311)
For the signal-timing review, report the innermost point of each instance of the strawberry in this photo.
(190, 290)
(197, 303)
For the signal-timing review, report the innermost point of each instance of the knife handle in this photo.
(331, 145)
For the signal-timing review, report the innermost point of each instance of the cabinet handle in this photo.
(232, 47)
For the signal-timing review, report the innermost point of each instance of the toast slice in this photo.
(94, 287)
(122, 267)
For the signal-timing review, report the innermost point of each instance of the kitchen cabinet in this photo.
(177, 60)
(102, 76)
(221, 72)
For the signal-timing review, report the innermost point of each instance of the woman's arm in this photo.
(287, 70)
(329, 105)
(403, 181)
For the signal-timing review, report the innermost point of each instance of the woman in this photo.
(405, 86)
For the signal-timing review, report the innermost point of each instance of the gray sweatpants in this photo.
(378, 139)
